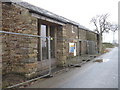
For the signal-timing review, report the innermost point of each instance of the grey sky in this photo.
(81, 11)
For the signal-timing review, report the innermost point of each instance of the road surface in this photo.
(91, 75)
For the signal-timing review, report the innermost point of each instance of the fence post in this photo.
(49, 54)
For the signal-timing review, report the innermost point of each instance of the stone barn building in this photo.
(21, 53)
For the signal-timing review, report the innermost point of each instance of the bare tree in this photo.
(102, 25)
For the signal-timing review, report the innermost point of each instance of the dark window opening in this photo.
(52, 41)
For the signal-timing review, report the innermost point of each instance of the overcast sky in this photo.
(82, 11)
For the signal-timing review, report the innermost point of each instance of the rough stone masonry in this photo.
(19, 54)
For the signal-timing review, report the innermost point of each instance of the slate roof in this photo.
(46, 13)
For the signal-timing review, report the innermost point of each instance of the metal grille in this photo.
(92, 47)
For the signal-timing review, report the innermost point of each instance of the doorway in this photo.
(45, 31)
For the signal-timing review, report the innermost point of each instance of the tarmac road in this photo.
(91, 75)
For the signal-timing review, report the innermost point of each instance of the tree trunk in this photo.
(100, 43)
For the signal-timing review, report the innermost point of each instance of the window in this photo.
(42, 43)
(43, 33)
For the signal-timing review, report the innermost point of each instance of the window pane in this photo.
(52, 41)
(44, 42)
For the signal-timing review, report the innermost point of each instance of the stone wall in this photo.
(61, 47)
(0, 45)
(71, 37)
(67, 34)
(82, 34)
(83, 38)
(71, 34)
(18, 51)
(91, 36)
(0, 33)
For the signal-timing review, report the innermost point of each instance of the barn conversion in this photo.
(31, 36)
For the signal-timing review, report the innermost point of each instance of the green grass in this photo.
(106, 45)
